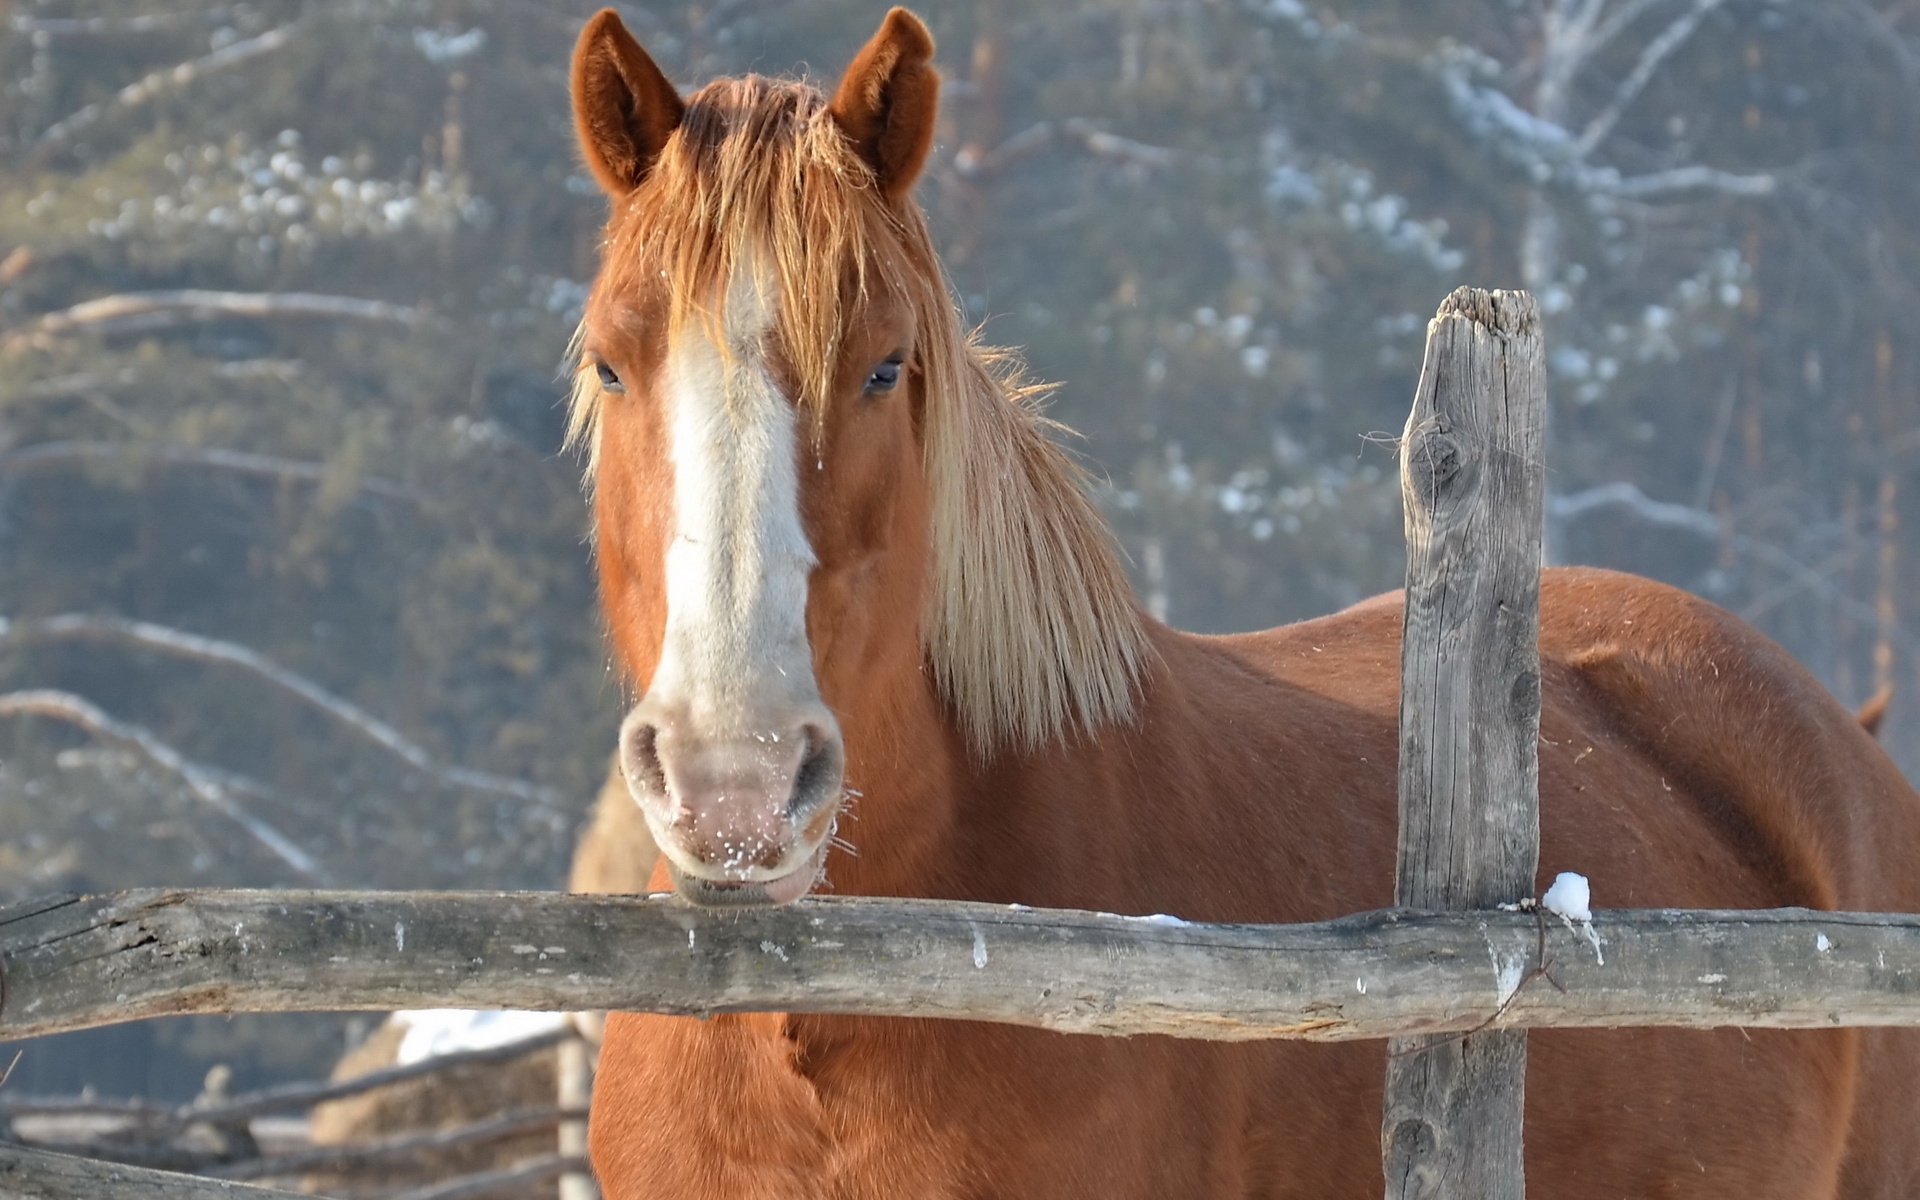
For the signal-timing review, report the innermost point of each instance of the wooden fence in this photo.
(143, 1133)
(1447, 962)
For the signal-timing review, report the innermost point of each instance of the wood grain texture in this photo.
(1471, 478)
(27, 1174)
(75, 962)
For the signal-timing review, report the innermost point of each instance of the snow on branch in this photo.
(209, 784)
(239, 461)
(1490, 113)
(132, 312)
(138, 93)
(182, 644)
(1656, 52)
(1547, 150)
(1621, 494)
(1681, 179)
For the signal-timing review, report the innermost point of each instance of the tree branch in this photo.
(85, 26)
(397, 1151)
(135, 94)
(240, 461)
(506, 1179)
(1111, 145)
(1617, 24)
(1629, 497)
(1656, 52)
(134, 312)
(205, 649)
(1620, 494)
(159, 1120)
(1038, 136)
(206, 783)
(1679, 179)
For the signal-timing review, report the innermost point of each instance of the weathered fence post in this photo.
(1471, 478)
(573, 1079)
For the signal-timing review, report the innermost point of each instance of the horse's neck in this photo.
(930, 817)
(907, 769)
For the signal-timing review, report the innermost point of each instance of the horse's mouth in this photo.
(716, 893)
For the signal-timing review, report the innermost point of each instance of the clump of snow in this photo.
(432, 1032)
(1159, 919)
(1571, 899)
(1822, 943)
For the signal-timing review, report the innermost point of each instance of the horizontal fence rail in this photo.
(28, 1174)
(161, 1120)
(72, 962)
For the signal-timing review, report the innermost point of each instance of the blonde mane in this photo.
(1032, 630)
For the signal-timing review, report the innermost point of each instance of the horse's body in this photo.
(886, 566)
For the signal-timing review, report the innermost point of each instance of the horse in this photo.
(883, 644)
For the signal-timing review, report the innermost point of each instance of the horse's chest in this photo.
(819, 1108)
(739, 1107)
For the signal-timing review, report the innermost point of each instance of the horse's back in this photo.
(1687, 761)
(1669, 723)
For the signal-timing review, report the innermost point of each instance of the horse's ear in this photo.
(623, 106)
(888, 99)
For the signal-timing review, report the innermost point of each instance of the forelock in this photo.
(758, 168)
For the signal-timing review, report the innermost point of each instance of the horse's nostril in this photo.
(818, 779)
(640, 759)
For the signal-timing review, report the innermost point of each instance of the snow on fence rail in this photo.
(1471, 474)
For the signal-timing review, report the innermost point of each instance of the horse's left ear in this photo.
(888, 99)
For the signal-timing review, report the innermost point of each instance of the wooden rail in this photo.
(74, 962)
(28, 1174)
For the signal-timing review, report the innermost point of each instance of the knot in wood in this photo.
(1433, 462)
(1410, 1153)
(1524, 701)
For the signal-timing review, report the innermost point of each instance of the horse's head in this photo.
(750, 388)
(813, 494)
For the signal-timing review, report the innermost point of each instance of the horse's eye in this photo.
(608, 380)
(884, 377)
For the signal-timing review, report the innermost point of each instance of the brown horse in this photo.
(856, 583)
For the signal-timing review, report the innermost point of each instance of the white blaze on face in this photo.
(738, 564)
(732, 713)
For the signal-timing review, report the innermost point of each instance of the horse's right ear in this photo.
(623, 107)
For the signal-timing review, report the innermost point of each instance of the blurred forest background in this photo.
(292, 571)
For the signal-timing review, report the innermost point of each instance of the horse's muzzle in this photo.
(742, 818)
